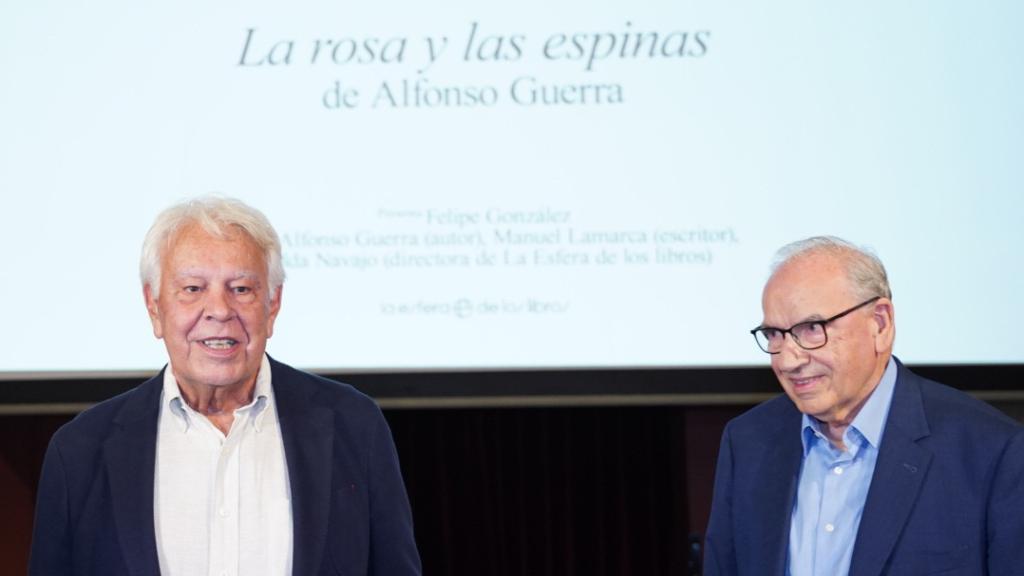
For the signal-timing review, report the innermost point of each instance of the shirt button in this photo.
(223, 513)
(829, 528)
(837, 470)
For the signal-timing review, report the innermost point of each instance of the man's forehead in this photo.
(813, 270)
(807, 287)
(195, 238)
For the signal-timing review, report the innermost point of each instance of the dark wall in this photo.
(23, 441)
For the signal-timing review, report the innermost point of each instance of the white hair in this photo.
(218, 216)
(863, 268)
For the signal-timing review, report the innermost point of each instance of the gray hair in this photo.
(219, 216)
(863, 268)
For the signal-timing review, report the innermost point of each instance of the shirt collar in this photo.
(869, 423)
(263, 395)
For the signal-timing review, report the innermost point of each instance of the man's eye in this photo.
(191, 289)
(813, 329)
(771, 333)
(242, 289)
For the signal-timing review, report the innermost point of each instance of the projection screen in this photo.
(461, 185)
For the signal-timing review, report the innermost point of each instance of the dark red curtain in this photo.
(551, 491)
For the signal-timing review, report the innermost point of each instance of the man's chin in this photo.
(815, 408)
(808, 402)
(221, 377)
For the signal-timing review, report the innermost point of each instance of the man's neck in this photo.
(217, 403)
(835, 430)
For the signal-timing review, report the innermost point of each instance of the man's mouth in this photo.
(219, 343)
(804, 381)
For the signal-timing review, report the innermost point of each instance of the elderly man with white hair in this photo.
(227, 462)
(861, 467)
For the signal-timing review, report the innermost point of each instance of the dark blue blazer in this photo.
(946, 497)
(350, 512)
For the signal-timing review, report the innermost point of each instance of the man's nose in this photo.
(218, 305)
(791, 356)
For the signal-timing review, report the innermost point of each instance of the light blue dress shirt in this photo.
(834, 485)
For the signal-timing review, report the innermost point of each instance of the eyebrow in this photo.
(811, 318)
(202, 273)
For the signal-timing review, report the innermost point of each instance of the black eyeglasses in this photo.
(807, 335)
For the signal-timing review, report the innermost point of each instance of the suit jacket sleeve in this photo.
(1006, 511)
(719, 545)
(393, 546)
(51, 543)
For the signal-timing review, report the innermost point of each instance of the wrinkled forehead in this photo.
(804, 288)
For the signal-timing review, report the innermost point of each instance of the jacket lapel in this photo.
(308, 444)
(130, 455)
(899, 473)
(776, 489)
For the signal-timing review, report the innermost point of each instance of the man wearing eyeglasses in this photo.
(862, 467)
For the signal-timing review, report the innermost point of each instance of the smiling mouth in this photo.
(803, 382)
(219, 343)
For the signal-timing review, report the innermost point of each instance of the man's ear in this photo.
(884, 316)
(153, 308)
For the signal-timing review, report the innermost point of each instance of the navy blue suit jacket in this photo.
(350, 512)
(946, 497)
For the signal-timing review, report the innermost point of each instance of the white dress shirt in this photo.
(222, 504)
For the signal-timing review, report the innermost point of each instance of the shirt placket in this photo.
(835, 488)
(224, 539)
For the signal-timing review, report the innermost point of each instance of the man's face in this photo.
(214, 312)
(832, 382)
